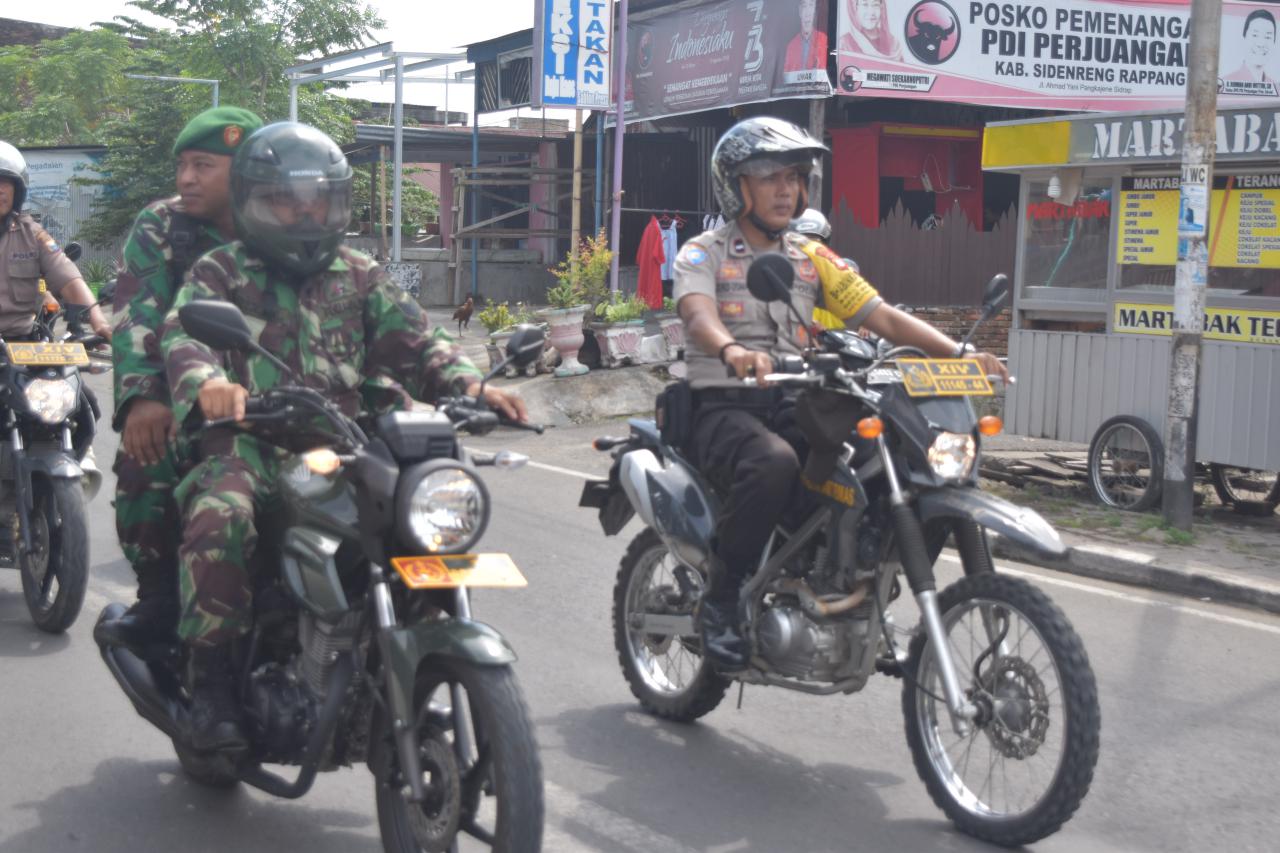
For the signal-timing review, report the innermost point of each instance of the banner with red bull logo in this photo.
(1058, 54)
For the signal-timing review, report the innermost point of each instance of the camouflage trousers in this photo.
(147, 522)
(219, 501)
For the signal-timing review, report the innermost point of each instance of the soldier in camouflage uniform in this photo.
(167, 238)
(332, 315)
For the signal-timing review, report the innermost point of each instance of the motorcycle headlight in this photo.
(52, 400)
(445, 508)
(952, 454)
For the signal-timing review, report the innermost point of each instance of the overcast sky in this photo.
(413, 25)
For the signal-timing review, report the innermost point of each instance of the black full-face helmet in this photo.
(14, 167)
(291, 197)
(760, 146)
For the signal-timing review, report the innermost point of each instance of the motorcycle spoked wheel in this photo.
(1028, 760)
(667, 674)
(496, 795)
(60, 542)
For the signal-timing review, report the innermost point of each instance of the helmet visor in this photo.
(759, 167)
(301, 205)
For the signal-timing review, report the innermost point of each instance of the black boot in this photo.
(215, 710)
(720, 625)
(153, 618)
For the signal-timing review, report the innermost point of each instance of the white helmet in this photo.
(14, 167)
(813, 224)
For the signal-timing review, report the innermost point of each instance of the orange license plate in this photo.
(453, 570)
(47, 355)
(944, 377)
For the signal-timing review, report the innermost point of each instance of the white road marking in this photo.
(1269, 628)
(1044, 577)
(566, 471)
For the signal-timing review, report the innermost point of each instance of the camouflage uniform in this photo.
(161, 247)
(350, 334)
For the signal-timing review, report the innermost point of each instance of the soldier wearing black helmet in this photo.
(760, 170)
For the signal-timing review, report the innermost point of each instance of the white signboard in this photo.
(571, 43)
(1057, 54)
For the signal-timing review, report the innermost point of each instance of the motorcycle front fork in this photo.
(961, 709)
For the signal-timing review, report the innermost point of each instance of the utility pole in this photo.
(1198, 144)
(576, 218)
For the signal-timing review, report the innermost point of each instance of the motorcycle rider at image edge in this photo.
(331, 314)
(760, 170)
(28, 254)
(166, 239)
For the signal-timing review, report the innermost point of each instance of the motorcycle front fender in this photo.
(55, 465)
(463, 640)
(1024, 527)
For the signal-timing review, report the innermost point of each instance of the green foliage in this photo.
(669, 305)
(497, 316)
(418, 205)
(622, 309)
(73, 90)
(97, 271)
(588, 283)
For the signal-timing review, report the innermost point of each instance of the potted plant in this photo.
(500, 320)
(579, 283)
(619, 329)
(672, 327)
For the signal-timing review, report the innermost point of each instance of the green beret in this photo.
(219, 130)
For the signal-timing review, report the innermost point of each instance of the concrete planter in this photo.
(673, 333)
(566, 336)
(496, 349)
(619, 342)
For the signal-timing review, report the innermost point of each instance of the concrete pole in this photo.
(399, 161)
(576, 227)
(215, 93)
(620, 80)
(1198, 144)
(293, 100)
(599, 197)
(474, 204)
(817, 127)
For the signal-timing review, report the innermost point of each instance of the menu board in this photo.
(1244, 221)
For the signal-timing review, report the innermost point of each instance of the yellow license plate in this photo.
(944, 377)
(47, 355)
(454, 570)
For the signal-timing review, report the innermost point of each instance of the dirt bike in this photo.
(1000, 701)
(47, 470)
(364, 648)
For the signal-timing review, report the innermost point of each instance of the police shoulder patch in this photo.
(694, 254)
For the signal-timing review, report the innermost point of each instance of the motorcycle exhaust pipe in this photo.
(824, 607)
(135, 679)
(91, 477)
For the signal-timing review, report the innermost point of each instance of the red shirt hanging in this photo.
(650, 258)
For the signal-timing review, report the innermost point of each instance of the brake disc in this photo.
(1019, 712)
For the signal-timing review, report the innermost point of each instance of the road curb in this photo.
(1110, 564)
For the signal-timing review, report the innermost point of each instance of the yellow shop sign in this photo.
(1220, 324)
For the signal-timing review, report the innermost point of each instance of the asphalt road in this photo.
(1189, 693)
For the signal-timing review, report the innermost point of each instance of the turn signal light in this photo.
(870, 427)
(321, 461)
(50, 303)
(990, 425)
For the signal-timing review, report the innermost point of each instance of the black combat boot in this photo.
(153, 618)
(215, 710)
(720, 624)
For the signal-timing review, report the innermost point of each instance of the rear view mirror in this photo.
(525, 344)
(770, 278)
(216, 324)
(994, 295)
(73, 251)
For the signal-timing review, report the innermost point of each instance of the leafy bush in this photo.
(497, 316)
(589, 283)
(622, 309)
(97, 271)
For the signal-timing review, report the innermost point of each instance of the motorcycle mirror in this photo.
(216, 324)
(525, 344)
(73, 250)
(996, 292)
(107, 293)
(770, 278)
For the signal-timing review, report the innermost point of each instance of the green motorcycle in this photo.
(364, 648)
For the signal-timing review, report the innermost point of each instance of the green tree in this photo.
(418, 205)
(62, 91)
(245, 44)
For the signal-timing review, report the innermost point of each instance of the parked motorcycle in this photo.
(47, 472)
(363, 647)
(1000, 702)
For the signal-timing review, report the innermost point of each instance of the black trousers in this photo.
(755, 455)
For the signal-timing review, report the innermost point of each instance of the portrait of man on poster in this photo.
(808, 50)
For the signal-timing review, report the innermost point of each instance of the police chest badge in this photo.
(807, 271)
(732, 308)
(739, 246)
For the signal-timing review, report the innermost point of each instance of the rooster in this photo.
(463, 314)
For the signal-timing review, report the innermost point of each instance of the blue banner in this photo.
(571, 61)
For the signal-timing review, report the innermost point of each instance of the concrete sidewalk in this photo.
(1228, 558)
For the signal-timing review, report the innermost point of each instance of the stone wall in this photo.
(955, 322)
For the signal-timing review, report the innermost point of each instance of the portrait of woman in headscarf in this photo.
(869, 31)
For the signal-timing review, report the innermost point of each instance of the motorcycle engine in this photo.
(800, 647)
(281, 713)
(322, 643)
